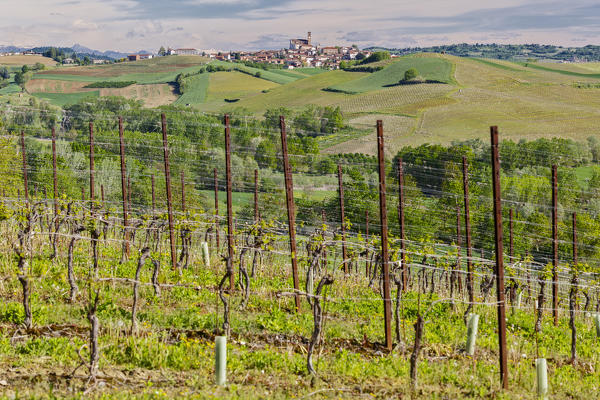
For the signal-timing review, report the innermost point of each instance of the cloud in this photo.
(145, 29)
(538, 16)
(204, 9)
(81, 25)
(268, 41)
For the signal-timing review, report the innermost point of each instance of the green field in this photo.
(430, 68)
(551, 67)
(12, 88)
(537, 100)
(195, 92)
(62, 99)
(226, 88)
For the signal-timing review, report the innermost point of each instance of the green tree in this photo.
(22, 78)
(162, 52)
(410, 74)
(266, 154)
(4, 74)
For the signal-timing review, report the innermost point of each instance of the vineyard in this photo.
(467, 271)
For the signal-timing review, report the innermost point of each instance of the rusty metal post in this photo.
(401, 222)
(25, 183)
(216, 208)
(342, 218)
(124, 189)
(387, 301)
(458, 248)
(92, 172)
(163, 119)
(289, 195)
(468, 230)
(182, 191)
(255, 196)
(510, 236)
(499, 257)
(55, 180)
(554, 245)
(575, 258)
(153, 195)
(230, 243)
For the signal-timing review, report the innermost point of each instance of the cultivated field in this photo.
(26, 60)
(528, 100)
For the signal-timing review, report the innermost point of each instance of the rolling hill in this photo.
(527, 100)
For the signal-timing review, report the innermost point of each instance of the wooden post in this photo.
(342, 219)
(387, 301)
(401, 221)
(499, 257)
(468, 230)
(554, 245)
(289, 195)
(124, 191)
(230, 243)
(168, 187)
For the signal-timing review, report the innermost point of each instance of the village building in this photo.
(301, 44)
(183, 52)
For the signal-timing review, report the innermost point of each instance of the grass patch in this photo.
(196, 90)
(561, 71)
(12, 88)
(496, 65)
(62, 99)
(430, 68)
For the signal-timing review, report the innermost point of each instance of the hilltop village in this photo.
(300, 53)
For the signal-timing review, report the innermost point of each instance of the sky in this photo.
(133, 25)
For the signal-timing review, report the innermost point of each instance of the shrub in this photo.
(110, 84)
(410, 74)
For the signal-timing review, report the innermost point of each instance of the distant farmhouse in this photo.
(136, 57)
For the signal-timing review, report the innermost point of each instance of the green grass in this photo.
(584, 174)
(310, 71)
(12, 88)
(302, 92)
(139, 77)
(67, 77)
(560, 71)
(62, 99)
(270, 75)
(430, 68)
(496, 64)
(196, 89)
